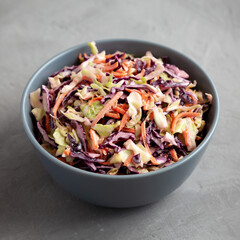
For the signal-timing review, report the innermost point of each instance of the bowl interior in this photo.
(138, 48)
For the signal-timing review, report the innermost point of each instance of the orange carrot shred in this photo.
(58, 103)
(108, 55)
(123, 121)
(94, 100)
(99, 77)
(181, 115)
(113, 115)
(128, 160)
(47, 123)
(97, 61)
(174, 155)
(123, 106)
(130, 130)
(151, 116)
(108, 105)
(186, 137)
(119, 110)
(105, 163)
(86, 78)
(109, 68)
(67, 152)
(141, 74)
(94, 139)
(144, 138)
(119, 74)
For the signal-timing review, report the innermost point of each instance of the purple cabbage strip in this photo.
(184, 96)
(91, 165)
(81, 135)
(132, 86)
(49, 98)
(115, 138)
(44, 135)
(56, 90)
(137, 158)
(116, 80)
(140, 86)
(150, 69)
(107, 97)
(164, 85)
(161, 159)
(76, 151)
(65, 69)
(175, 76)
(139, 65)
(175, 70)
(68, 96)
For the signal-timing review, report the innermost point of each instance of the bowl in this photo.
(128, 190)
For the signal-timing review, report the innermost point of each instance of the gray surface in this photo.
(206, 206)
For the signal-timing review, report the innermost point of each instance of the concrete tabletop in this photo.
(206, 206)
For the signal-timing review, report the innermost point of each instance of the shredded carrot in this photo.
(47, 123)
(128, 160)
(198, 138)
(104, 151)
(94, 139)
(67, 152)
(94, 100)
(147, 106)
(186, 137)
(109, 55)
(99, 77)
(133, 90)
(174, 155)
(148, 64)
(97, 61)
(141, 74)
(108, 106)
(123, 122)
(143, 94)
(151, 116)
(164, 109)
(105, 163)
(144, 138)
(126, 64)
(182, 115)
(113, 115)
(119, 73)
(109, 68)
(85, 78)
(119, 110)
(130, 130)
(123, 106)
(58, 103)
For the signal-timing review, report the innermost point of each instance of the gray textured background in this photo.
(206, 206)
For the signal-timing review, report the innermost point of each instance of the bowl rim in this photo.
(35, 143)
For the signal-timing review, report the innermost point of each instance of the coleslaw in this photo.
(118, 114)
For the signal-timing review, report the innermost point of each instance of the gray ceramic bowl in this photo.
(120, 191)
